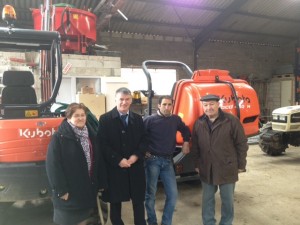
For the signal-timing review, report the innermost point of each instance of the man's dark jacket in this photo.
(220, 152)
(118, 142)
(68, 173)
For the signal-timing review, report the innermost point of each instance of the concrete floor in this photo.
(267, 194)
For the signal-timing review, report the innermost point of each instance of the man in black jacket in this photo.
(161, 129)
(121, 135)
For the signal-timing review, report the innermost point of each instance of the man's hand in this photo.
(197, 170)
(124, 163)
(241, 170)
(65, 197)
(185, 148)
(132, 159)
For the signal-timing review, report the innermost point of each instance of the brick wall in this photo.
(254, 60)
(85, 65)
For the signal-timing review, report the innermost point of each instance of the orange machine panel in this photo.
(23, 140)
(187, 96)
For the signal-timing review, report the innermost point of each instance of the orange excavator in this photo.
(27, 120)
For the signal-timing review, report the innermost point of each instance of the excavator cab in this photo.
(30, 77)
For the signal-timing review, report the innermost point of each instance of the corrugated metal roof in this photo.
(286, 9)
(270, 21)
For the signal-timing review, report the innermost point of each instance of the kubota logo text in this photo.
(32, 133)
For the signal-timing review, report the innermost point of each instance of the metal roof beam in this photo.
(154, 23)
(180, 4)
(190, 6)
(258, 34)
(118, 19)
(267, 17)
(205, 33)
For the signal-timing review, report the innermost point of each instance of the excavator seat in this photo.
(18, 88)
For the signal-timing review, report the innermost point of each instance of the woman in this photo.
(75, 168)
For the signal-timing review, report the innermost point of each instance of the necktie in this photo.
(123, 118)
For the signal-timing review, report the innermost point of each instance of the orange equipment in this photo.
(26, 121)
(77, 27)
(236, 97)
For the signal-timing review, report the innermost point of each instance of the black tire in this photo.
(275, 152)
(266, 146)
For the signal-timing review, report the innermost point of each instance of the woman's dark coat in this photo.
(118, 142)
(67, 170)
(219, 153)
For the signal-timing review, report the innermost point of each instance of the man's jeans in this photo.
(208, 203)
(160, 167)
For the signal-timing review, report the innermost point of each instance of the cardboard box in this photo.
(87, 90)
(95, 103)
(144, 100)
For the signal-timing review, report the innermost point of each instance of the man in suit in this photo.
(121, 135)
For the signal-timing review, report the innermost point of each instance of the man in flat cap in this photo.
(219, 147)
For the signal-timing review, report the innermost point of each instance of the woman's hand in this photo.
(132, 159)
(124, 163)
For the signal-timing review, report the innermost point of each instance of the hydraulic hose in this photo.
(238, 110)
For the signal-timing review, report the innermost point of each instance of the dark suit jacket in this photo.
(118, 142)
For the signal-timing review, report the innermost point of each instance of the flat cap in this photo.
(207, 98)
